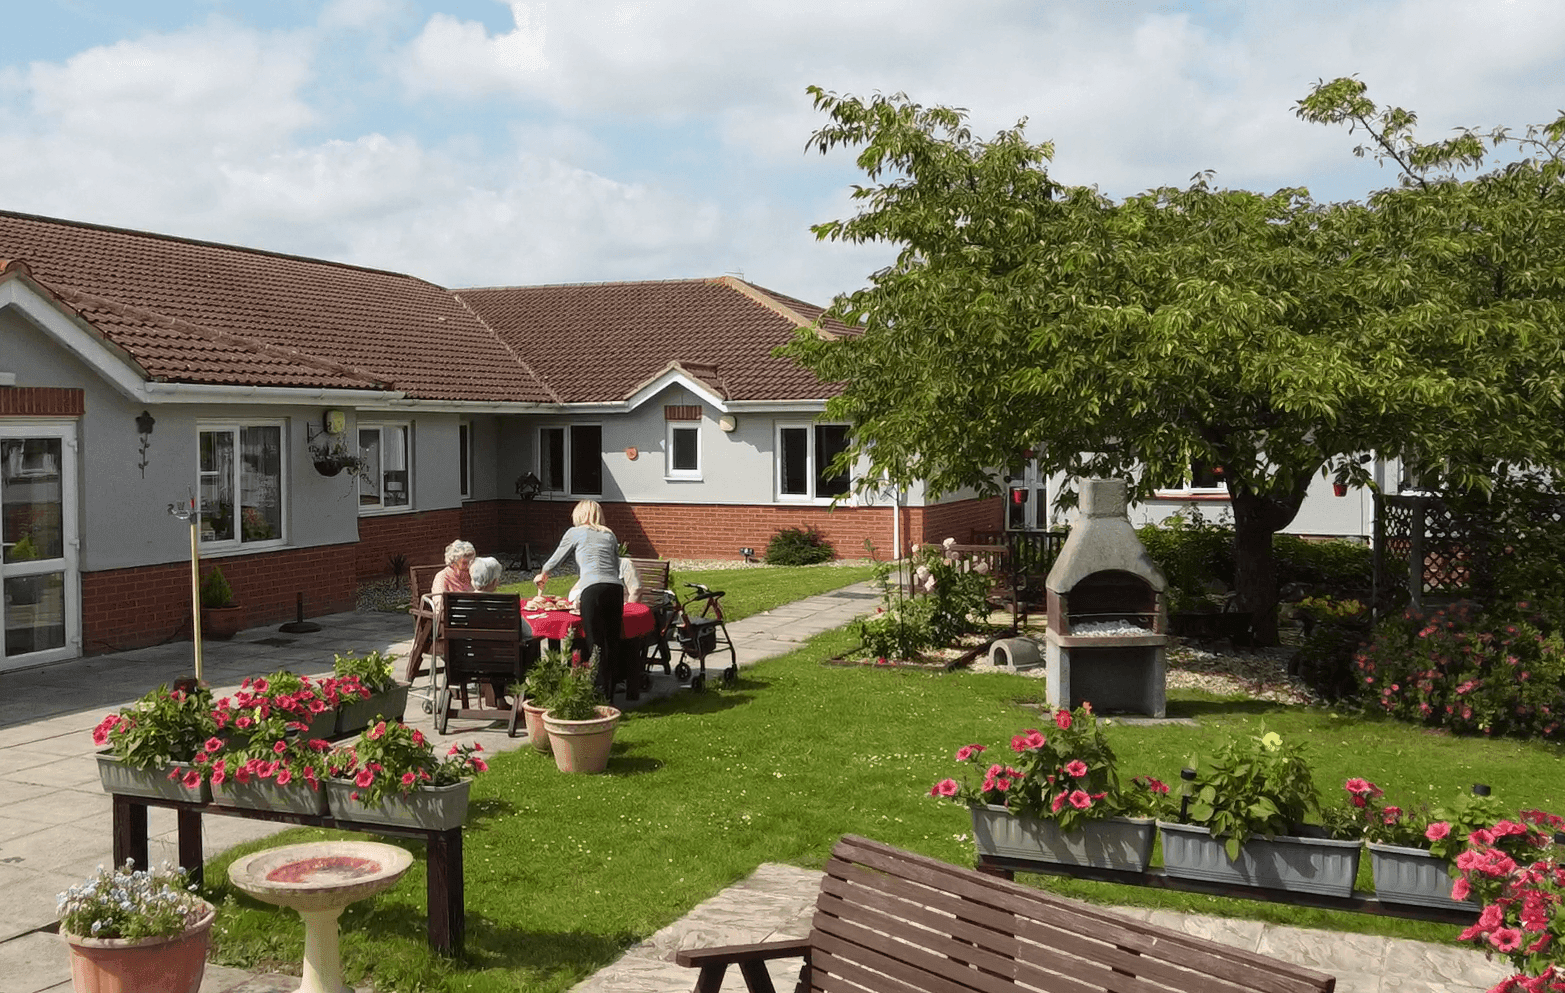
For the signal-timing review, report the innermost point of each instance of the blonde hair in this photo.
(588, 513)
(459, 550)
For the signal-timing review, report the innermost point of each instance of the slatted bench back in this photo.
(891, 921)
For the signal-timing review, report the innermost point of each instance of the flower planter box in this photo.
(356, 715)
(117, 777)
(1123, 843)
(1412, 875)
(431, 808)
(1306, 865)
(263, 794)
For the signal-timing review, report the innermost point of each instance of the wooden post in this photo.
(191, 858)
(447, 912)
(130, 831)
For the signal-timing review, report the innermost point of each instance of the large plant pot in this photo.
(141, 965)
(537, 734)
(117, 777)
(1306, 865)
(582, 746)
(356, 715)
(222, 623)
(1123, 843)
(263, 794)
(432, 808)
(1412, 875)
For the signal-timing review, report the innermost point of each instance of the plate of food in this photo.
(546, 601)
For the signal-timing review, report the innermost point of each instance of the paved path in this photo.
(55, 819)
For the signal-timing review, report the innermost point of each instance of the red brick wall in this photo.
(958, 520)
(148, 605)
(676, 530)
(422, 537)
(41, 401)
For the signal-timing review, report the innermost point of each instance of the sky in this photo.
(482, 142)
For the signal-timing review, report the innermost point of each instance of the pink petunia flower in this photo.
(1461, 889)
(364, 778)
(279, 747)
(1076, 768)
(408, 779)
(966, 752)
(284, 776)
(1080, 800)
(214, 744)
(1059, 801)
(1062, 718)
(378, 730)
(1437, 830)
(944, 788)
(192, 779)
(1506, 939)
(478, 764)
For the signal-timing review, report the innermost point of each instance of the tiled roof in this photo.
(208, 313)
(197, 312)
(600, 342)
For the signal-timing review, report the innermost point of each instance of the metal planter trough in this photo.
(1123, 843)
(1306, 865)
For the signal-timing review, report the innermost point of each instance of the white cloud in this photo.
(461, 57)
(357, 13)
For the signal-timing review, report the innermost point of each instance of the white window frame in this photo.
(568, 454)
(464, 454)
(379, 507)
(811, 472)
(236, 429)
(1188, 489)
(670, 472)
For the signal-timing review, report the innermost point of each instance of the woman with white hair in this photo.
(485, 574)
(602, 594)
(456, 577)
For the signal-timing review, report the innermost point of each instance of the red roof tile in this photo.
(600, 342)
(404, 332)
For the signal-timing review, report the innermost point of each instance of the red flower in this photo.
(1076, 768)
(214, 744)
(1080, 800)
(364, 778)
(1437, 830)
(1506, 939)
(377, 730)
(279, 747)
(1062, 718)
(968, 751)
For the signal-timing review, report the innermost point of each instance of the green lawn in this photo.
(749, 591)
(563, 873)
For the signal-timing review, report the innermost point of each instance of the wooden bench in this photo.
(892, 921)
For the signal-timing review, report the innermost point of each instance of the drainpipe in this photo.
(896, 523)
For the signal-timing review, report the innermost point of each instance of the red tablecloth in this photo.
(556, 625)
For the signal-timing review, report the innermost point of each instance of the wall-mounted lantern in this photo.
(528, 486)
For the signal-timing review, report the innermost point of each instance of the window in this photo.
(464, 458)
(683, 450)
(244, 460)
(1201, 477)
(804, 456)
(387, 481)
(571, 455)
(586, 459)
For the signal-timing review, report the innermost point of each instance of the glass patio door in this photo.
(40, 611)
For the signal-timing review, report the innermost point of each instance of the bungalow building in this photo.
(140, 373)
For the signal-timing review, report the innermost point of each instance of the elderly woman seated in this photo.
(485, 574)
(456, 576)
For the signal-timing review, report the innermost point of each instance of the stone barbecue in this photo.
(1107, 639)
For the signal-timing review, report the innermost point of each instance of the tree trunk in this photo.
(1256, 519)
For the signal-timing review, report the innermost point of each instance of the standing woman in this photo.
(602, 594)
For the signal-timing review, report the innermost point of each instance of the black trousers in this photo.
(602, 619)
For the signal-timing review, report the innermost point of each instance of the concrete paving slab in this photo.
(34, 962)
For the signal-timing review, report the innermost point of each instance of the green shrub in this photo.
(950, 594)
(1193, 555)
(798, 546)
(215, 591)
(1335, 566)
(1496, 672)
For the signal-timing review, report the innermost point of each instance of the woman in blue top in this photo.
(602, 602)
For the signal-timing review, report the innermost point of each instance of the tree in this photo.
(1268, 334)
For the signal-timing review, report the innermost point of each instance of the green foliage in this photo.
(543, 680)
(1269, 334)
(1324, 661)
(390, 758)
(578, 696)
(1193, 553)
(1253, 785)
(798, 546)
(1442, 832)
(24, 550)
(373, 671)
(1500, 671)
(1067, 773)
(125, 902)
(950, 595)
(163, 726)
(215, 591)
(1337, 566)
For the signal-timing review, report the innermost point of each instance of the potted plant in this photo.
(267, 763)
(331, 455)
(368, 691)
(151, 747)
(391, 775)
(579, 722)
(141, 930)
(1412, 851)
(1062, 802)
(541, 684)
(301, 700)
(221, 616)
(1516, 869)
(1246, 823)
(24, 589)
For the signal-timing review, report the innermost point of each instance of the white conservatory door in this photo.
(40, 611)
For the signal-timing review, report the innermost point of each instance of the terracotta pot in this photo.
(222, 623)
(582, 746)
(141, 965)
(536, 732)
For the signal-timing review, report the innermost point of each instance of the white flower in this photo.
(982, 568)
(913, 548)
(948, 543)
(929, 584)
(921, 573)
